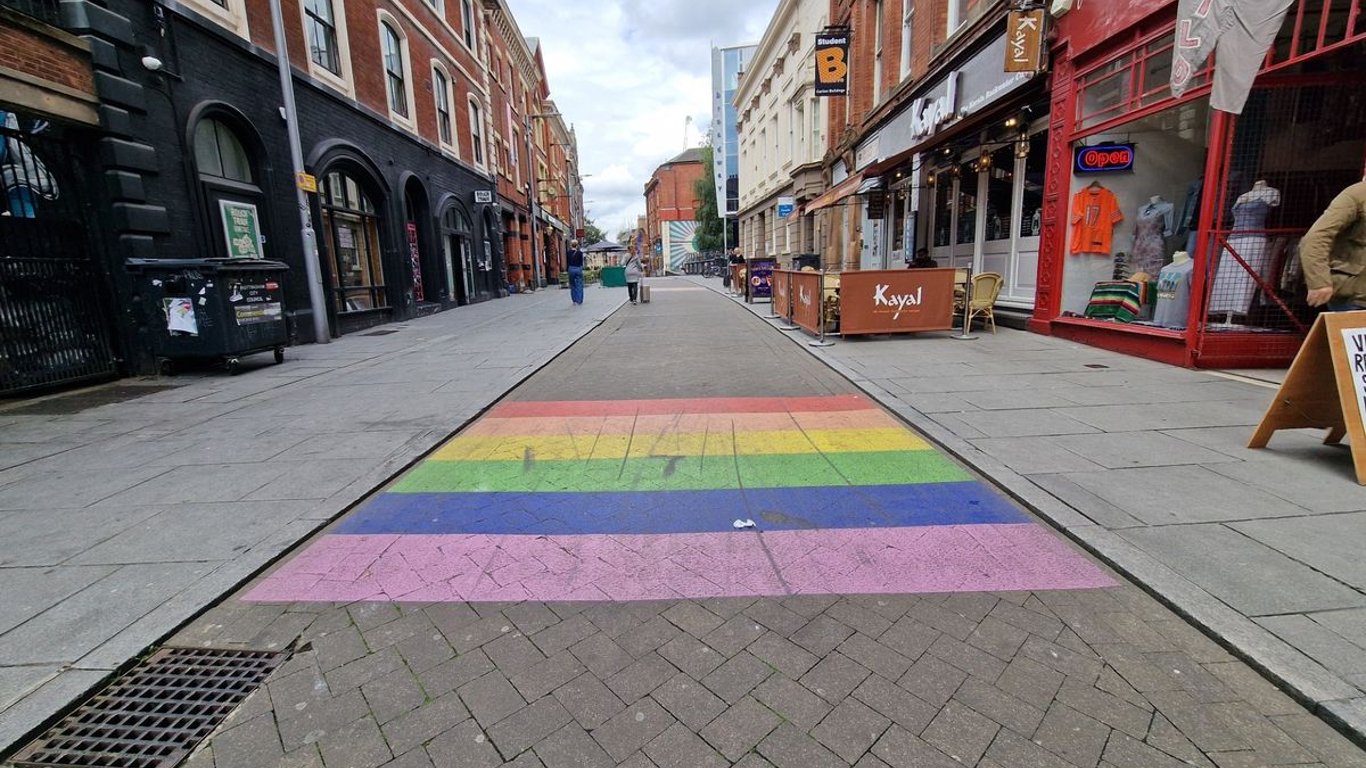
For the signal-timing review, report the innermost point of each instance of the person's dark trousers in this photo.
(576, 284)
(631, 289)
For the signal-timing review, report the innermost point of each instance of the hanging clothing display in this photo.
(1174, 294)
(1151, 230)
(1095, 212)
(1234, 285)
(1238, 31)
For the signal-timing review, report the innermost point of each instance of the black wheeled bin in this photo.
(801, 261)
(207, 309)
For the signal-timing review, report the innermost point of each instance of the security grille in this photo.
(153, 716)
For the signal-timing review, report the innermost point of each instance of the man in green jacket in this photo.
(1333, 253)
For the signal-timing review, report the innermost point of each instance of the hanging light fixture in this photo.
(984, 161)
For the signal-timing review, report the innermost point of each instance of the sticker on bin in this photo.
(249, 314)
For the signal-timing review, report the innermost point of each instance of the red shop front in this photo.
(1170, 229)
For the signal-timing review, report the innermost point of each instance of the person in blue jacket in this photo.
(573, 261)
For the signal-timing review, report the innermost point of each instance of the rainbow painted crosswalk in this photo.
(636, 500)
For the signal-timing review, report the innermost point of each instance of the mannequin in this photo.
(1174, 292)
(1189, 220)
(1233, 285)
(1152, 227)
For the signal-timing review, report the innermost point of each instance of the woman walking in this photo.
(573, 260)
(633, 272)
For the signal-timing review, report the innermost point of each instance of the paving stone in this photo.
(1318, 737)
(753, 760)
(835, 677)
(306, 757)
(940, 618)
(339, 647)
(424, 723)
(692, 618)
(998, 705)
(392, 695)
(546, 676)
(1075, 737)
(960, 733)
(788, 747)
(932, 680)
(909, 637)
(632, 728)
(1201, 723)
(398, 630)
(450, 618)
(737, 677)
(588, 701)
(358, 745)
(692, 656)
(518, 732)
(1121, 751)
(513, 651)
(491, 698)
(1254, 689)
(740, 728)
(1112, 683)
(614, 619)
(424, 652)
(531, 617)
(734, 635)
(368, 615)
(1030, 681)
(875, 656)
(249, 745)
(470, 636)
(1011, 750)
(869, 761)
(967, 658)
(1270, 743)
(902, 749)
(649, 637)
(641, 677)
(1065, 660)
(572, 747)
(773, 615)
(850, 729)
(638, 760)
(416, 758)
(689, 701)
(792, 701)
(464, 746)
(1105, 707)
(1046, 626)
(821, 635)
(305, 726)
(809, 606)
(361, 671)
(450, 675)
(998, 638)
(560, 637)
(601, 655)
(679, 747)
(526, 760)
(1164, 736)
(895, 703)
(783, 655)
(859, 618)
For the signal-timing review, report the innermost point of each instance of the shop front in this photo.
(1170, 229)
(964, 175)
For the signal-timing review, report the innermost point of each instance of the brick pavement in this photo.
(1082, 677)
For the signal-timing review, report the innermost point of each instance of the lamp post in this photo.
(533, 198)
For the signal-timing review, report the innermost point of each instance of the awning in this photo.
(835, 194)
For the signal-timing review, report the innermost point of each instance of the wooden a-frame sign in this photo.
(1325, 387)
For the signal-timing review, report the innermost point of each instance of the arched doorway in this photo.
(459, 257)
(426, 281)
(351, 235)
(230, 183)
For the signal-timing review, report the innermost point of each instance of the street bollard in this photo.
(820, 340)
(966, 334)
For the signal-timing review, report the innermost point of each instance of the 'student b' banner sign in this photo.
(832, 64)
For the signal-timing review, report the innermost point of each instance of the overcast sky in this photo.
(627, 74)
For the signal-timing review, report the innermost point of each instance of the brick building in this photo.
(415, 117)
(671, 208)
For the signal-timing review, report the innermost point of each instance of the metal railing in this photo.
(48, 11)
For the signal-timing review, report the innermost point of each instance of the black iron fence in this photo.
(42, 10)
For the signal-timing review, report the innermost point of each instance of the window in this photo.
(437, 6)
(351, 232)
(467, 22)
(441, 90)
(877, 51)
(395, 74)
(219, 153)
(513, 160)
(907, 27)
(963, 11)
(322, 35)
(476, 133)
(231, 14)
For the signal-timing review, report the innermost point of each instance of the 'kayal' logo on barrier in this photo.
(895, 303)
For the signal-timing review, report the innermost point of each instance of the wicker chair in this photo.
(986, 287)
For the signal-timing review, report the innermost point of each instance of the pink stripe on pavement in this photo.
(484, 568)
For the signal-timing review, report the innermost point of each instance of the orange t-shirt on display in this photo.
(1095, 212)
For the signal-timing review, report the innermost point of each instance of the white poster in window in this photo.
(180, 315)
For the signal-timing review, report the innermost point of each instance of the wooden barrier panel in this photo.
(896, 301)
(782, 292)
(1325, 387)
(807, 297)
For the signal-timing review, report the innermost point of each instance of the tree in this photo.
(591, 233)
(709, 223)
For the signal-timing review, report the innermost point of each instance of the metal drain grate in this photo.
(154, 715)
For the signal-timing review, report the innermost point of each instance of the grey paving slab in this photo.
(1182, 415)
(29, 712)
(174, 533)
(199, 484)
(1024, 423)
(30, 537)
(1256, 580)
(1318, 642)
(1182, 495)
(17, 682)
(319, 479)
(1033, 456)
(1329, 543)
(73, 487)
(30, 591)
(1140, 449)
(1323, 482)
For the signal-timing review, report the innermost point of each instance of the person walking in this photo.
(573, 261)
(633, 272)
(1333, 253)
